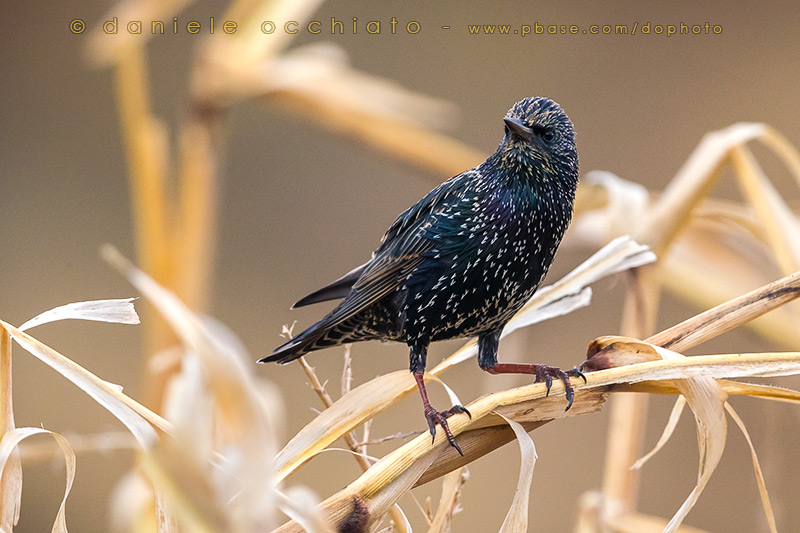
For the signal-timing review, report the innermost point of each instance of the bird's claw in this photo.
(440, 417)
(547, 373)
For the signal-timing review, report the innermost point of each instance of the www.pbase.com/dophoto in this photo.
(597, 201)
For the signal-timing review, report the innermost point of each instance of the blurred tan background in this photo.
(300, 206)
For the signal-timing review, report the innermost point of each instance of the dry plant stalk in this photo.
(612, 361)
(666, 225)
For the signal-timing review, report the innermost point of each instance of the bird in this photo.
(464, 259)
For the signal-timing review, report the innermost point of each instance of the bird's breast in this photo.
(480, 278)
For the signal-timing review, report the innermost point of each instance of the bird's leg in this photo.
(438, 417)
(417, 358)
(487, 359)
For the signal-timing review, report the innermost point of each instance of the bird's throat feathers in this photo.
(521, 167)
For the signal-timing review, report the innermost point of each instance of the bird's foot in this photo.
(440, 417)
(546, 373)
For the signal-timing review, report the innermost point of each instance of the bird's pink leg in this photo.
(438, 417)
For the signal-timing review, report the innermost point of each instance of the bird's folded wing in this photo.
(402, 250)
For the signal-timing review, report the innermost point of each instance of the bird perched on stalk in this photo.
(464, 259)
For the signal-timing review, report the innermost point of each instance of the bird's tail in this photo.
(321, 335)
(300, 345)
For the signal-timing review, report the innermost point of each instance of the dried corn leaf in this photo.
(139, 420)
(762, 486)
(706, 399)
(531, 402)
(8, 446)
(672, 423)
(516, 520)
(352, 409)
(239, 490)
(119, 311)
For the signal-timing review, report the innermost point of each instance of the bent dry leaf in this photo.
(672, 423)
(762, 486)
(707, 398)
(239, 486)
(516, 520)
(8, 446)
(531, 403)
(358, 405)
(139, 420)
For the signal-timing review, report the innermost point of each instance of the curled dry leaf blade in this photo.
(516, 520)
(139, 420)
(8, 446)
(349, 411)
(762, 486)
(672, 423)
(706, 399)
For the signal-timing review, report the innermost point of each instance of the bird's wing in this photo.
(401, 251)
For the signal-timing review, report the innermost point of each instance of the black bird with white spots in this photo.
(464, 259)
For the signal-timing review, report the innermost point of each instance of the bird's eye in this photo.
(549, 136)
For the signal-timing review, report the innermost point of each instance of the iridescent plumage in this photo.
(464, 259)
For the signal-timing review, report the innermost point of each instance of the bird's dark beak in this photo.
(516, 126)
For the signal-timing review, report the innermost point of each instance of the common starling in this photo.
(464, 259)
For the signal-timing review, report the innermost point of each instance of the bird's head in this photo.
(540, 140)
